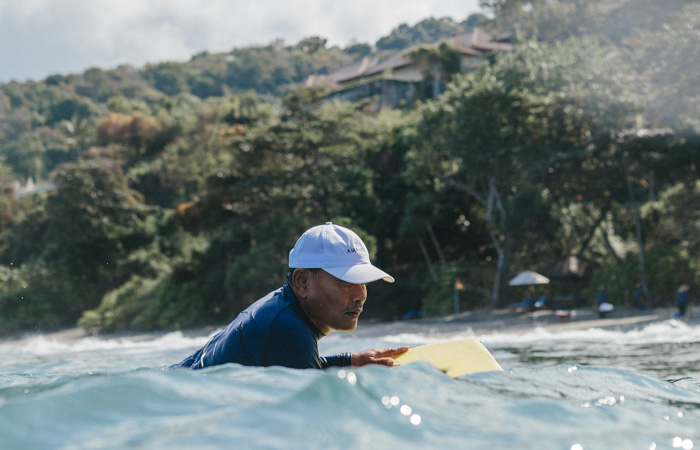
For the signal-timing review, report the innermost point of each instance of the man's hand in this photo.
(374, 356)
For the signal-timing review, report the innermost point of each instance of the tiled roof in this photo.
(475, 43)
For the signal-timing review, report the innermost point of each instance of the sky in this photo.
(45, 37)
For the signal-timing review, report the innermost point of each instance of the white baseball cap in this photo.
(338, 251)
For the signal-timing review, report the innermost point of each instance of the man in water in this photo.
(325, 290)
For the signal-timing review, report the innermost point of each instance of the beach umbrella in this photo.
(528, 277)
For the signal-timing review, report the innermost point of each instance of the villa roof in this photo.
(475, 43)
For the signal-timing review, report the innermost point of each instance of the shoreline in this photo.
(479, 322)
(508, 322)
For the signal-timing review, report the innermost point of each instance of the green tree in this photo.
(495, 134)
(311, 160)
(425, 31)
(312, 44)
(8, 210)
(169, 77)
(358, 50)
(669, 60)
(26, 155)
(282, 177)
(675, 219)
(94, 223)
(558, 20)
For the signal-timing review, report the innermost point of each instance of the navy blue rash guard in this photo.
(273, 331)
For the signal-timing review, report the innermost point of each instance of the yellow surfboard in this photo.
(455, 358)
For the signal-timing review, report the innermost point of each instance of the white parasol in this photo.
(528, 277)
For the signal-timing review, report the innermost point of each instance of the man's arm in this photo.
(341, 360)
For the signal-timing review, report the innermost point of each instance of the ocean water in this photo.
(579, 389)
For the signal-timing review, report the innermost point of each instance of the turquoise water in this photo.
(586, 389)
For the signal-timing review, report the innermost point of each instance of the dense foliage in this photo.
(181, 187)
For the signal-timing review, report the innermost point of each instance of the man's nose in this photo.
(359, 293)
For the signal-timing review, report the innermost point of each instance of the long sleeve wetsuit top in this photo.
(274, 331)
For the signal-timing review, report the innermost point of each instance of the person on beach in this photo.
(604, 307)
(325, 290)
(602, 295)
(682, 299)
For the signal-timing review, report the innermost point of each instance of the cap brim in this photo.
(359, 274)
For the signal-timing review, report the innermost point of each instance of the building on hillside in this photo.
(400, 78)
(30, 188)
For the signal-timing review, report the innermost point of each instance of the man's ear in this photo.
(300, 282)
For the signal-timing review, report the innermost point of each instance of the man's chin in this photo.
(347, 326)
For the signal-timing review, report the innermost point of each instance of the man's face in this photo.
(332, 303)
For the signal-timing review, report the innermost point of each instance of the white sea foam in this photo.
(665, 331)
(43, 345)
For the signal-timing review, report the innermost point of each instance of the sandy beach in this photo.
(480, 322)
